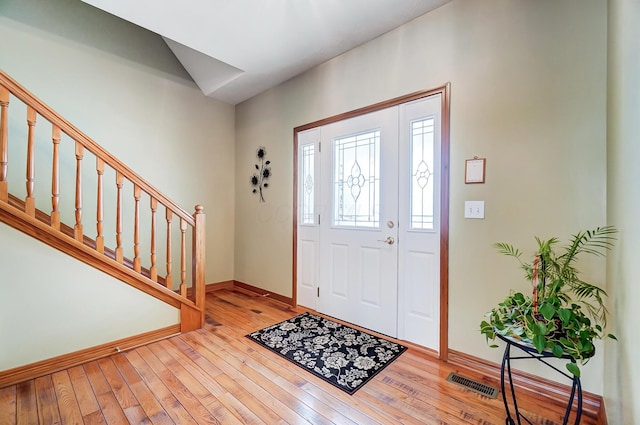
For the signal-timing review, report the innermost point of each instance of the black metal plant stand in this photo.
(532, 353)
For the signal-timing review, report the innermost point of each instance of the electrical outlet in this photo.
(473, 209)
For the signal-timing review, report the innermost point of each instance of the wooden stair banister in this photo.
(45, 218)
(4, 143)
(55, 178)
(30, 201)
(52, 228)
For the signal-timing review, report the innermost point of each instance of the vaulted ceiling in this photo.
(235, 49)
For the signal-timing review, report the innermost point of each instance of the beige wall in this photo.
(528, 83)
(622, 372)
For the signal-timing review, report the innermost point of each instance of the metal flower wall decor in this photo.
(262, 173)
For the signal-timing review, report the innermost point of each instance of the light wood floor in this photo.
(217, 376)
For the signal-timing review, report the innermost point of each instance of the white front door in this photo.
(358, 232)
(368, 235)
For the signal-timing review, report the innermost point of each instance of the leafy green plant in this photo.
(564, 314)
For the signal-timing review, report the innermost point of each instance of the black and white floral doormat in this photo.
(342, 356)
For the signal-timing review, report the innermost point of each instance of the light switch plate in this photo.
(473, 209)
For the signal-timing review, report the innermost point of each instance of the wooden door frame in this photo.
(445, 95)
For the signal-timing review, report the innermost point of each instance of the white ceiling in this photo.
(235, 49)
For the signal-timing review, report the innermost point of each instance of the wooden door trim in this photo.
(445, 92)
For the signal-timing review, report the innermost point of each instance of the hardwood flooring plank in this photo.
(47, 403)
(8, 403)
(165, 397)
(182, 392)
(26, 404)
(67, 402)
(84, 392)
(118, 386)
(96, 378)
(203, 389)
(246, 318)
(300, 402)
(135, 415)
(222, 393)
(401, 412)
(144, 394)
(95, 418)
(113, 413)
(253, 386)
(236, 385)
(265, 307)
(252, 403)
(123, 394)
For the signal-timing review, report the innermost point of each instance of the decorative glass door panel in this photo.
(307, 198)
(422, 169)
(356, 180)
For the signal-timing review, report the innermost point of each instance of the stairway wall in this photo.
(124, 88)
(52, 304)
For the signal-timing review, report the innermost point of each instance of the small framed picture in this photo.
(474, 170)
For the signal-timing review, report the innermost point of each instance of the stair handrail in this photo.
(73, 132)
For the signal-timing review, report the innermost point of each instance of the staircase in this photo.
(53, 210)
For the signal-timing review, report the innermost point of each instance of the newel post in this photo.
(198, 258)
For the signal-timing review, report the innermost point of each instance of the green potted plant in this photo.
(564, 314)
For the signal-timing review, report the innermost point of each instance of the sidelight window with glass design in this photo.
(308, 190)
(422, 169)
(356, 180)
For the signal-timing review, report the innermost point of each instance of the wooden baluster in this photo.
(119, 183)
(77, 230)
(136, 229)
(99, 207)
(4, 143)
(153, 271)
(183, 257)
(55, 178)
(30, 201)
(169, 278)
(198, 263)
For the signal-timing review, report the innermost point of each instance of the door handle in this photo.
(389, 240)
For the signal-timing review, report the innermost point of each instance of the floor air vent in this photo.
(472, 385)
